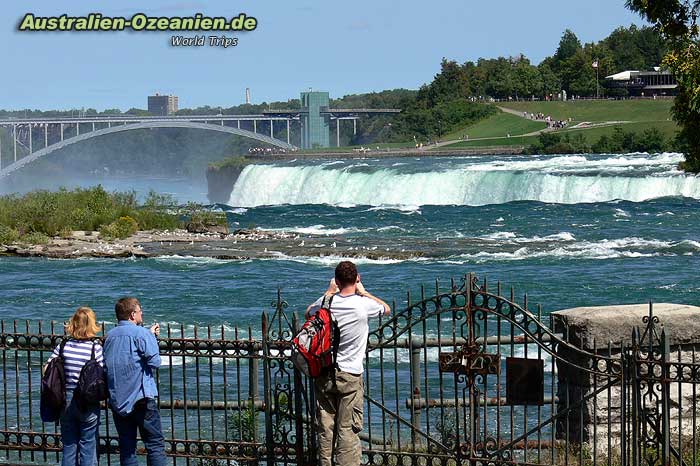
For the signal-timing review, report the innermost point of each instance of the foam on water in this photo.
(563, 179)
(630, 247)
(320, 230)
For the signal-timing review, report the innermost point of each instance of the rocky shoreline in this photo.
(239, 245)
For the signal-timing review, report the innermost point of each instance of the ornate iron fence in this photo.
(461, 375)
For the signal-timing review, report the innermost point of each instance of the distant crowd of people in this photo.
(551, 122)
(269, 150)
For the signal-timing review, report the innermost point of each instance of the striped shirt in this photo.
(75, 354)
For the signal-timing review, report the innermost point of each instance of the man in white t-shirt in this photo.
(339, 396)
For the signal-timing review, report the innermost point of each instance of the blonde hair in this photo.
(83, 325)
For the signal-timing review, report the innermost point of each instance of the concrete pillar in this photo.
(30, 138)
(271, 131)
(354, 126)
(606, 331)
(0, 152)
(93, 126)
(77, 129)
(14, 139)
(255, 126)
(239, 123)
(222, 122)
(287, 130)
(61, 131)
(46, 135)
(109, 124)
(337, 132)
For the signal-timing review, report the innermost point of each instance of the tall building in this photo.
(247, 95)
(314, 126)
(162, 105)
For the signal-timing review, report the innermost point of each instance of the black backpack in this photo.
(53, 388)
(92, 384)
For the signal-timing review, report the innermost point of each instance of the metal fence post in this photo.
(633, 368)
(253, 390)
(298, 406)
(415, 391)
(665, 401)
(269, 441)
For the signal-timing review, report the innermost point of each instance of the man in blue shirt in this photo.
(131, 357)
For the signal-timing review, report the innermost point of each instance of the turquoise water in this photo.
(568, 230)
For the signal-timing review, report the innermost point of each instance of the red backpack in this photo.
(315, 347)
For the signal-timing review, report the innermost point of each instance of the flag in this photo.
(595, 64)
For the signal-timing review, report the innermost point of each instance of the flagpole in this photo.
(597, 81)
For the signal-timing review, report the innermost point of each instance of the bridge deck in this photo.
(137, 119)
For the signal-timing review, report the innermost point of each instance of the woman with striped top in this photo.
(79, 428)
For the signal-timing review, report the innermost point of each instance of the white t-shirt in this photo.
(352, 313)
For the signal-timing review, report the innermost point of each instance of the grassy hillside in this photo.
(498, 125)
(599, 110)
(641, 115)
(667, 128)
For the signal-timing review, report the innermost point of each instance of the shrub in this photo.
(8, 235)
(121, 228)
(35, 237)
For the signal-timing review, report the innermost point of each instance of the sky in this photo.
(344, 48)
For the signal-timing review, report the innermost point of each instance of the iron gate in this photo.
(461, 375)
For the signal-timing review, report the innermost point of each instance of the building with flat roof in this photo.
(162, 105)
(314, 120)
(644, 83)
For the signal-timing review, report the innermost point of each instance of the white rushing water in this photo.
(562, 179)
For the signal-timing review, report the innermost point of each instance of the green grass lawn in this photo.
(667, 128)
(495, 142)
(598, 110)
(497, 125)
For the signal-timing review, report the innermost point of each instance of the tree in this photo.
(450, 84)
(528, 81)
(551, 84)
(568, 46)
(677, 21)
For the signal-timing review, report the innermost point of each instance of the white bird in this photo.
(302, 243)
(333, 245)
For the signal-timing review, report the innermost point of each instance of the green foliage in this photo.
(35, 237)
(157, 213)
(121, 228)
(568, 46)
(242, 424)
(229, 162)
(62, 211)
(443, 118)
(621, 141)
(677, 21)
(8, 235)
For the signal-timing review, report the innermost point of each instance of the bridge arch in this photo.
(143, 125)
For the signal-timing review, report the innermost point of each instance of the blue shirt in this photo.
(131, 356)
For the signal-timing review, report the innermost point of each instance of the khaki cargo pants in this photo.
(339, 417)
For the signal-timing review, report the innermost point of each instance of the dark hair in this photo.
(125, 306)
(345, 274)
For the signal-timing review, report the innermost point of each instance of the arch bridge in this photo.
(61, 132)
